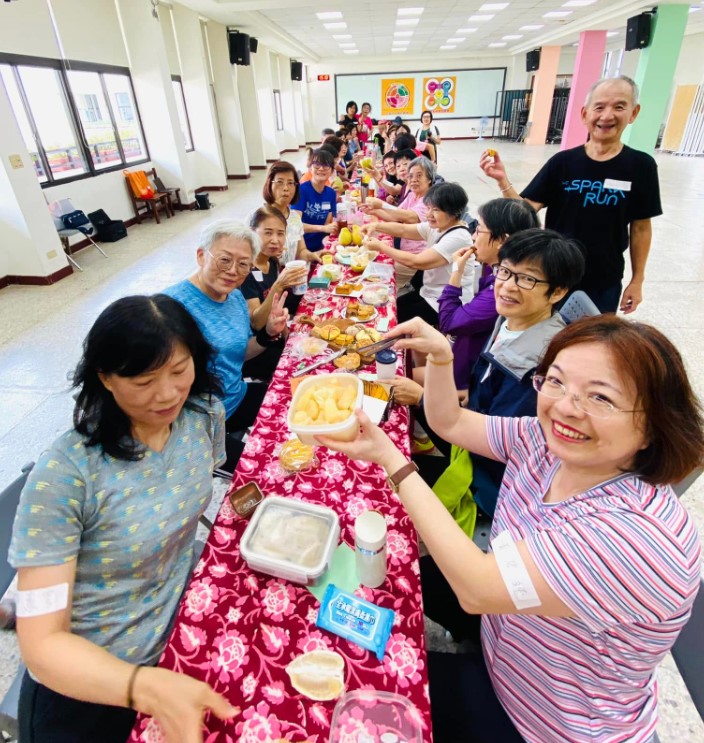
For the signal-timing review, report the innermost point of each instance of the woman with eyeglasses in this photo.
(281, 189)
(103, 539)
(594, 563)
(225, 255)
(317, 202)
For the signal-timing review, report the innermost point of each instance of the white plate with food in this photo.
(369, 313)
(353, 293)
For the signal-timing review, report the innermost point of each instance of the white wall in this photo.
(690, 66)
(26, 29)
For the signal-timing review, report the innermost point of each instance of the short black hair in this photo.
(132, 336)
(327, 132)
(349, 106)
(333, 142)
(561, 260)
(341, 133)
(405, 155)
(405, 142)
(404, 126)
(323, 156)
(390, 155)
(503, 217)
(350, 127)
(430, 113)
(450, 198)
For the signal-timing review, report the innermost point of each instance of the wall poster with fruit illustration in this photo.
(397, 96)
(449, 94)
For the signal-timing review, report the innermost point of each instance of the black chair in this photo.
(9, 498)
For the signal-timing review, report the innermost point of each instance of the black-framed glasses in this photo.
(523, 280)
(593, 403)
(225, 263)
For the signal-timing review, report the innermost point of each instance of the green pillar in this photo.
(655, 75)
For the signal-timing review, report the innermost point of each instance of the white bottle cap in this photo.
(370, 530)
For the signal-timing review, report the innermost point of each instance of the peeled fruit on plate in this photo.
(325, 404)
(345, 236)
(318, 675)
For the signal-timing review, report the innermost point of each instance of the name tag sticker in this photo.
(258, 275)
(617, 185)
(325, 206)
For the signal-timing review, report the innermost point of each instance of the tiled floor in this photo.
(41, 329)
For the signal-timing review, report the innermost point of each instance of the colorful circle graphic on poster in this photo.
(397, 96)
(439, 94)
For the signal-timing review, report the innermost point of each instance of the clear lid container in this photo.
(291, 539)
(386, 717)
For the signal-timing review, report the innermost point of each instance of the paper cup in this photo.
(299, 288)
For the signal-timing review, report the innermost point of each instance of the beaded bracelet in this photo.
(508, 188)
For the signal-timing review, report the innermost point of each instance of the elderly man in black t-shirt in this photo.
(596, 192)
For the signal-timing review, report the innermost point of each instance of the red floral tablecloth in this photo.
(238, 630)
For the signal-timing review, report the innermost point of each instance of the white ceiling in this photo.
(292, 26)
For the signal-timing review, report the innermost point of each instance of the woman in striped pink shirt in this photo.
(594, 563)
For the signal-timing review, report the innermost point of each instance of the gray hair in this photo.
(229, 228)
(623, 78)
(426, 165)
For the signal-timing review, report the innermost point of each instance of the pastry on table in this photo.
(349, 361)
(329, 332)
(344, 340)
(343, 289)
(365, 312)
(352, 307)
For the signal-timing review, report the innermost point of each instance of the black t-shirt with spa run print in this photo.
(595, 202)
(258, 284)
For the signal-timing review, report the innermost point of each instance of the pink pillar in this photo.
(588, 67)
(543, 91)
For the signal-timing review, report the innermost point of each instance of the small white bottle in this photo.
(370, 548)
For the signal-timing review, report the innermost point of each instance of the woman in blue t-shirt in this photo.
(317, 202)
(104, 533)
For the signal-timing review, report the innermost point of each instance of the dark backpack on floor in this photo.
(107, 230)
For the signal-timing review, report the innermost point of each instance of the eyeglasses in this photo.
(523, 280)
(478, 231)
(225, 262)
(284, 184)
(593, 403)
(319, 166)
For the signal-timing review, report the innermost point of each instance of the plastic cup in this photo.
(386, 364)
(299, 288)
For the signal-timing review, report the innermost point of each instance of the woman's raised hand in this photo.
(371, 444)
(278, 316)
(369, 228)
(178, 703)
(420, 337)
(290, 277)
(461, 256)
(492, 165)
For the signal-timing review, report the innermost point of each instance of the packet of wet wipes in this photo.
(355, 619)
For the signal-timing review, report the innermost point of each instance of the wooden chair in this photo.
(173, 193)
(148, 206)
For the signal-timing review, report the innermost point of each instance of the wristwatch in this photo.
(395, 480)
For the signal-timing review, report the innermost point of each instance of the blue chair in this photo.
(9, 498)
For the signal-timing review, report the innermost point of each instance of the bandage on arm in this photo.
(514, 572)
(36, 602)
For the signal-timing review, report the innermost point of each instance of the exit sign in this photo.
(323, 78)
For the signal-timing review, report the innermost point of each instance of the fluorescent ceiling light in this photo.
(410, 11)
(401, 42)
(557, 14)
(612, 33)
(496, 44)
(407, 21)
(403, 33)
(512, 37)
(341, 37)
(531, 28)
(335, 26)
(466, 30)
(480, 17)
(445, 47)
(578, 3)
(398, 49)
(329, 16)
(351, 51)
(493, 6)
(347, 45)
(458, 40)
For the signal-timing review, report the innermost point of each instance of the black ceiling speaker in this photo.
(532, 60)
(296, 70)
(638, 31)
(253, 44)
(239, 47)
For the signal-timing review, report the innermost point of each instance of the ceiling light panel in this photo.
(347, 45)
(407, 21)
(466, 30)
(410, 11)
(492, 6)
(458, 40)
(446, 47)
(557, 14)
(512, 37)
(341, 37)
(533, 27)
(403, 33)
(335, 26)
(479, 18)
(497, 44)
(331, 16)
(578, 3)
(351, 51)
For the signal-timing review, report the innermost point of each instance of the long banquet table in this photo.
(237, 629)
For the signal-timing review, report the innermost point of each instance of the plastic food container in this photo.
(376, 294)
(291, 539)
(387, 717)
(345, 430)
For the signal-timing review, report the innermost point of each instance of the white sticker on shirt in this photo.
(258, 275)
(40, 601)
(325, 206)
(617, 185)
(513, 571)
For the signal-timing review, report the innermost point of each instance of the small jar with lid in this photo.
(386, 361)
(370, 548)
